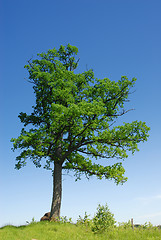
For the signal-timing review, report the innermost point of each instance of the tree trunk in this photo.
(57, 191)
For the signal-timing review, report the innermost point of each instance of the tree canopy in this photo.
(73, 120)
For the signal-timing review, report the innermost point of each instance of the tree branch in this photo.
(96, 154)
(85, 127)
(88, 171)
(120, 114)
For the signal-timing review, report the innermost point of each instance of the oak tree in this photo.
(73, 123)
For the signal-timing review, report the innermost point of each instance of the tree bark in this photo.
(57, 191)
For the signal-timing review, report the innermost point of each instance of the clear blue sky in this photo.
(114, 38)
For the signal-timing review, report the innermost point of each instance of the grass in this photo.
(67, 231)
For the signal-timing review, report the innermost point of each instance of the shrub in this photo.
(85, 220)
(64, 219)
(103, 219)
(125, 225)
(147, 225)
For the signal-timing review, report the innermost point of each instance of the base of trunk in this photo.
(47, 217)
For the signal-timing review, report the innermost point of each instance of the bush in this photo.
(103, 219)
(125, 225)
(65, 220)
(85, 220)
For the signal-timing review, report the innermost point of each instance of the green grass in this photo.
(67, 231)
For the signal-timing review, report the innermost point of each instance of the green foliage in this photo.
(67, 231)
(85, 220)
(103, 219)
(32, 221)
(101, 222)
(64, 219)
(125, 225)
(147, 225)
(73, 119)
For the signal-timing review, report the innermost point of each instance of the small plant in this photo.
(65, 220)
(32, 221)
(85, 220)
(125, 225)
(103, 219)
(147, 225)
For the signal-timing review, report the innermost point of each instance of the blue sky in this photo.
(114, 38)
